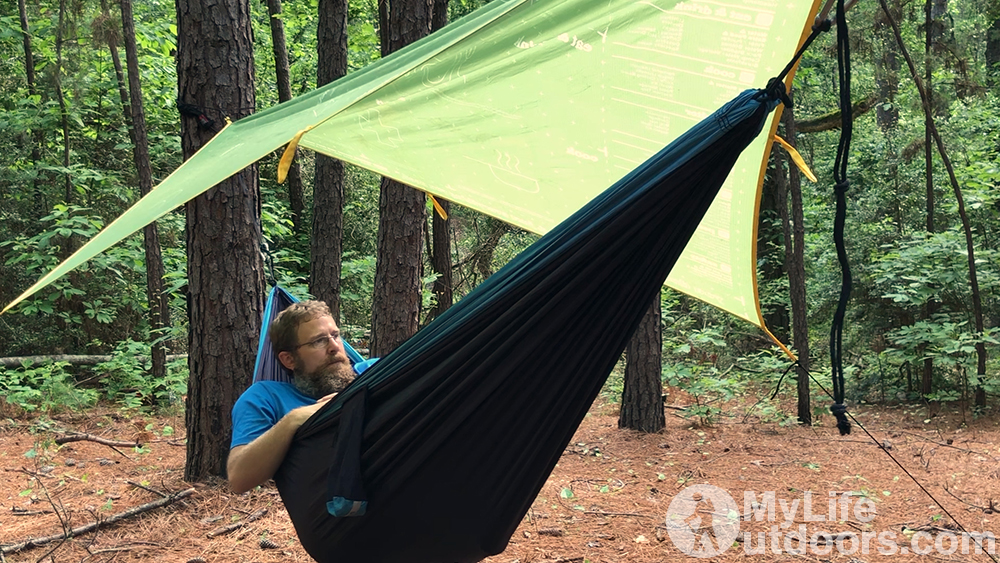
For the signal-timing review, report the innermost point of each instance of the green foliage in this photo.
(47, 388)
(127, 381)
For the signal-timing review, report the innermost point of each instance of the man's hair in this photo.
(285, 328)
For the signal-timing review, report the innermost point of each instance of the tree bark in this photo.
(225, 275)
(441, 259)
(397, 299)
(927, 378)
(326, 243)
(63, 111)
(795, 237)
(283, 76)
(440, 227)
(159, 304)
(887, 72)
(29, 76)
(993, 54)
(642, 394)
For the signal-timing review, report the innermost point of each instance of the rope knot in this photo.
(839, 411)
(776, 91)
(842, 186)
(822, 26)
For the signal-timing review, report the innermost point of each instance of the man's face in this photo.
(321, 365)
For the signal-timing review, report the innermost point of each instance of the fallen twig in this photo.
(237, 525)
(602, 513)
(37, 542)
(92, 438)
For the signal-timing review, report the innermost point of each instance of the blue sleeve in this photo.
(253, 414)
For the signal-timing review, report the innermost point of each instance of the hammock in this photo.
(454, 433)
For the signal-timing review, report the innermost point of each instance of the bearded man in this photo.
(307, 341)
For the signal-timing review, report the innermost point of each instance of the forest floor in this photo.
(606, 501)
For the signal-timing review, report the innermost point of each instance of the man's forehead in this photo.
(318, 324)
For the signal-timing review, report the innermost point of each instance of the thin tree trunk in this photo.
(215, 71)
(992, 54)
(441, 258)
(795, 267)
(29, 75)
(927, 381)
(397, 298)
(440, 251)
(326, 242)
(283, 76)
(63, 112)
(887, 73)
(642, 394)
(159, 304)
(977, 304)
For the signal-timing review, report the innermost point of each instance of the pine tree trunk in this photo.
(887, 67)
(159, 304)
(795, 240)
(225, 281)
(29, 76)
(642, 395)
(927, 379)
(63, 113)
(326, 243)
(441, 259)
(283, 77)
(993, 54)
(397, 298)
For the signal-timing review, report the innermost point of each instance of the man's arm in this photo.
(251, 464)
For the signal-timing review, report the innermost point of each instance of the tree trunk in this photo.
(642, 394)
(225, 275)
(927, 380)
(441, 258)
(397, 299)
(63, 112)
(440, 250)
(326, 243)
(283, 76)
(795, 235)
(159, 304)
(29, 76)
(887, 72)
(992, 54)
(770, 259)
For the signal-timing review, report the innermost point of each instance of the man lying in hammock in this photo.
(307, 341)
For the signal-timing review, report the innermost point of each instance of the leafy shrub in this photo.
(47, 388)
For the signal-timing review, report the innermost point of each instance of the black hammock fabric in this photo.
(463, 423)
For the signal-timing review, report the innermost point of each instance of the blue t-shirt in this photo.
(262, 405)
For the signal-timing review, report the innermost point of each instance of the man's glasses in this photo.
(320, 342)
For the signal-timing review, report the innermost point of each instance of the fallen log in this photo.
(65, 535)
(76, 360)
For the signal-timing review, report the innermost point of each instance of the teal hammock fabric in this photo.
(451, 436)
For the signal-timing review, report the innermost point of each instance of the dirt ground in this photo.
(607, 500)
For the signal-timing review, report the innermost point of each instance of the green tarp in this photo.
(525, 110)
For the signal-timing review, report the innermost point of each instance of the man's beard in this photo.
(331, 378)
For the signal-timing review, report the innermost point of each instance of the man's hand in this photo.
(254, 463)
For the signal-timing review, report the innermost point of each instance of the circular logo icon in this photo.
(703, 521)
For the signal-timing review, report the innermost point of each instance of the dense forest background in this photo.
(915, 331)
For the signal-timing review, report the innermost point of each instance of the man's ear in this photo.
(287, 360)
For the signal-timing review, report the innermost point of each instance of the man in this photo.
(265, 418)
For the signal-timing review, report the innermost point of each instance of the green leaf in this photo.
(566, 493)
